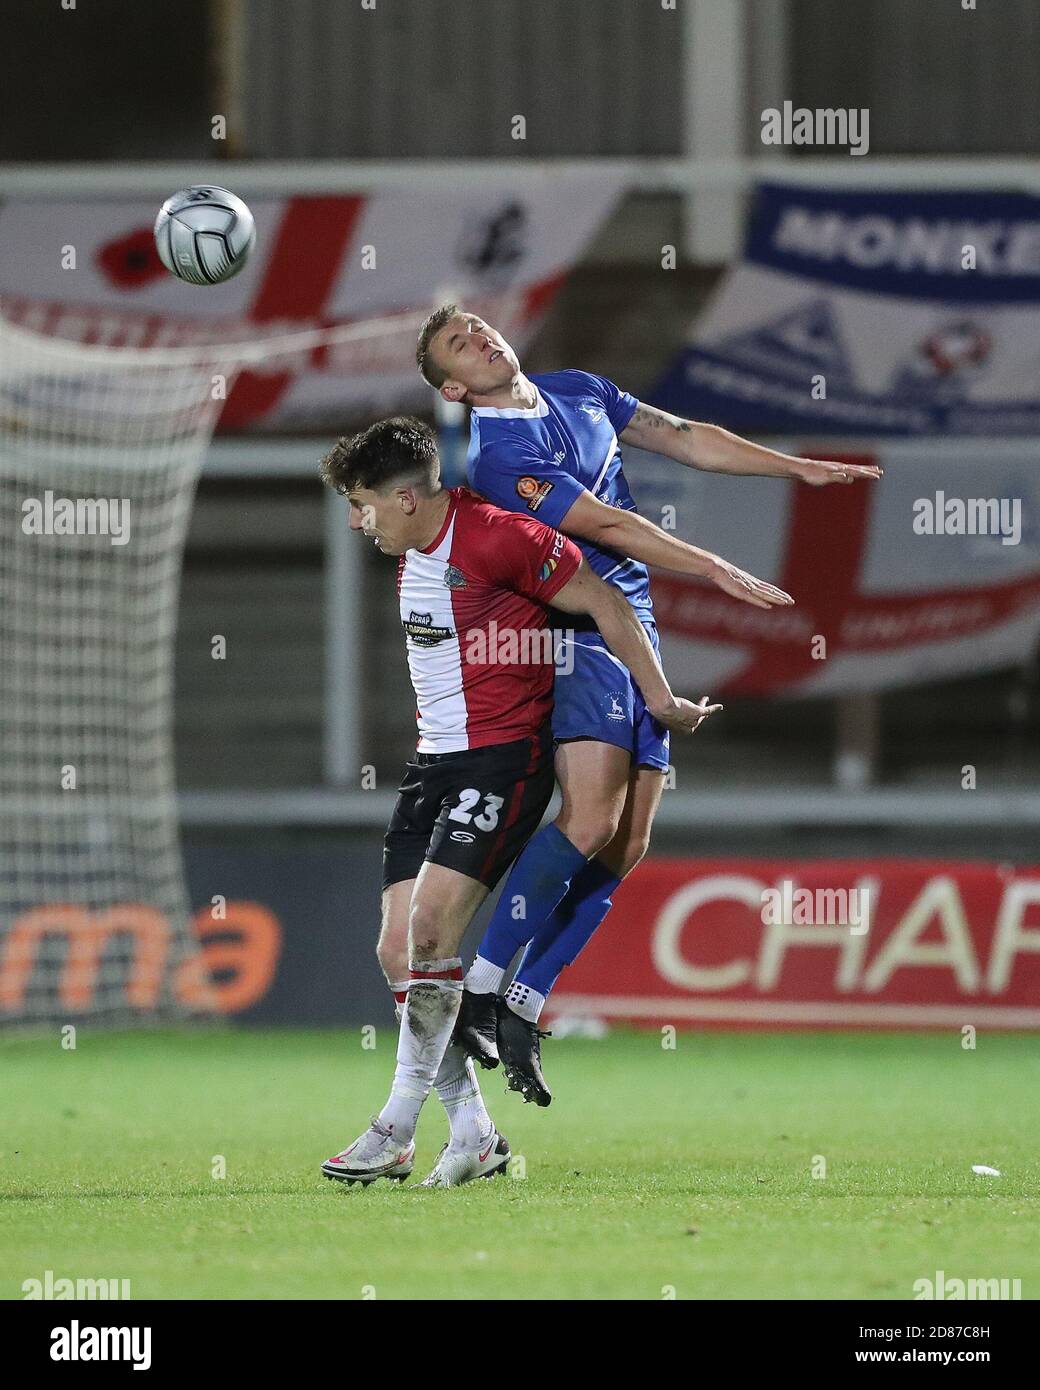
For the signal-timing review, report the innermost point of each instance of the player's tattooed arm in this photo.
(715, 450)
(633, 535)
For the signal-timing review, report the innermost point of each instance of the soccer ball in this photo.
(204, 234)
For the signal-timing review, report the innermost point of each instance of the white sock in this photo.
(399, 989)
(459, 1091)
(457, 1087)
(525, 1001)
(427, 1022)
(483, 977)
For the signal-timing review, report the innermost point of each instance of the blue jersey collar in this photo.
(512, 413)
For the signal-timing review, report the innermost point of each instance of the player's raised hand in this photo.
(820, 471)
(742, 585)
(683, 715)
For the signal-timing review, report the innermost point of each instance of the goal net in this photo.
(99, 455)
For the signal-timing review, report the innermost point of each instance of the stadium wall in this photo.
(286, 932)
(289, 933)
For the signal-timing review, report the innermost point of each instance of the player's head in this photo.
(390, 474)
(462, 356)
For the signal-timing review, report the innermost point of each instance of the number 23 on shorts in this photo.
(463, 812)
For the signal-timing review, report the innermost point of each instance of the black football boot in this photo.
(476, 1029)
(519, 1046)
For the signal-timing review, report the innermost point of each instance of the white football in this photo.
(204, 234)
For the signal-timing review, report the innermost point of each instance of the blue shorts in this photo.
(598, 699)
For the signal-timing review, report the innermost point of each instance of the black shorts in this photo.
(471, 811)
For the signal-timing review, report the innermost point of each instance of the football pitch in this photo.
(654, 1174)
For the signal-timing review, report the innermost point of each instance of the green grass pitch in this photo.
(654, 1174)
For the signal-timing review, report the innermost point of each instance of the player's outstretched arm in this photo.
(626, 637)
(631, 534)
(715, 450)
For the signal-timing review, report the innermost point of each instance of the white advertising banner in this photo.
(932, 572)
(872, 312)
(88, 270)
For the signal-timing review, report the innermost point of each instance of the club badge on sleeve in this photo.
(533, 492)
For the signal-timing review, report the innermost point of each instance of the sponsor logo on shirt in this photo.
(533, 492)
(454, 578)
(554, 558)
(419, 627)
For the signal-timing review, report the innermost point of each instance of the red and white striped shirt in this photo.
(472, 605)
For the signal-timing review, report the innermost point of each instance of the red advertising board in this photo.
(771, 943)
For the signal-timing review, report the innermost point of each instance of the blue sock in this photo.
(538, 879)
(570, 927)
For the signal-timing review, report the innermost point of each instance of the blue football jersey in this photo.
(540, 461)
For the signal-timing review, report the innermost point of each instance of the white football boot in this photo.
(377, 1154)
(456, 1166)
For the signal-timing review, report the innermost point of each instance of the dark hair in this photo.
(431, 373)
(388, 452)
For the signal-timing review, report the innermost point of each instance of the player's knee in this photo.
(427, 933)
(591, 830)
(624, 852)
(393, 958)
(633, 850)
